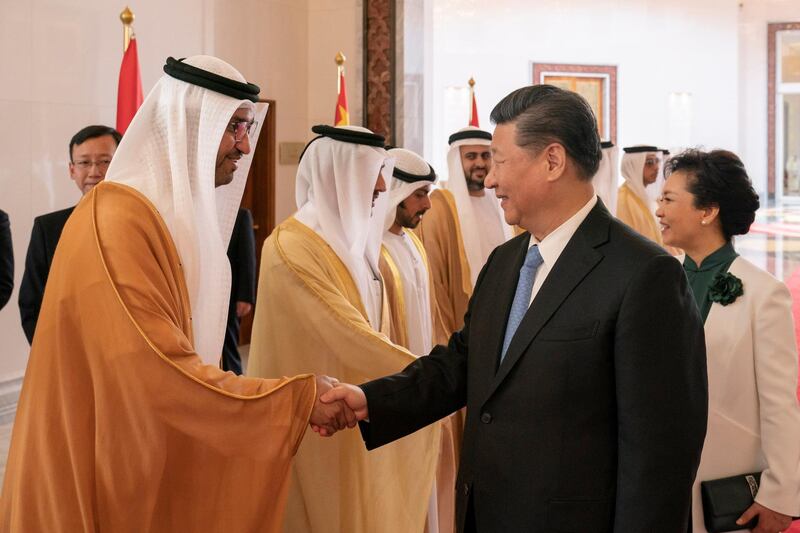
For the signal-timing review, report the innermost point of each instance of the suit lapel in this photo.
(502, 289)
(575, 262)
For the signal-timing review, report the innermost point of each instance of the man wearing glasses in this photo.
(636, 204)
(90, 153)
(125, 421)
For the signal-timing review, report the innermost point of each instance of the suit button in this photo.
(486, 418)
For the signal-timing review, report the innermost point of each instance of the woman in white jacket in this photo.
(753, 413)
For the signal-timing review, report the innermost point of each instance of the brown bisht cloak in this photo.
(120, 426)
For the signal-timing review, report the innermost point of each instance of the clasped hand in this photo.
(769, 521)
(338, 406)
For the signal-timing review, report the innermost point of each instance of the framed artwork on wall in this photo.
(596, 83)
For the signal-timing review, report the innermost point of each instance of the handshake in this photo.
(338, 406)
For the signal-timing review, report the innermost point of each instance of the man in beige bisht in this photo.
(322, 308)
(635, 207)
(464, 225)
(404, 265)
(125, 423)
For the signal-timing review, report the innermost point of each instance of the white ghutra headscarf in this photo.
(457, 184)
(605, 181)
(632, 169)
(400, 189)
(169, 155)
(335, 182)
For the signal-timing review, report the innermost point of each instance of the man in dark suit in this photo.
(242, 256)
(582, 358)
(6, 260)
(90, 152)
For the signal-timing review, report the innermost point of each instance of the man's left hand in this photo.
(769, 521)
(243, 308)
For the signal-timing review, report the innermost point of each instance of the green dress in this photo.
(701, 277)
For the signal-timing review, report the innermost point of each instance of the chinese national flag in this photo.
(473, 113)
(342, 117)
(129, 93)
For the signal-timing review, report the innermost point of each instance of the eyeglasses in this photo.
(85, 164)
(652, 161)
(240, 128)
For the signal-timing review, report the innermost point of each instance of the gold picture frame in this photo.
(596, 83)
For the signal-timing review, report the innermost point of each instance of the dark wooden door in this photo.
(259, 198)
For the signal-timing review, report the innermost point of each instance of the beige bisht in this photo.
(635, 207)
(322, 306)
(410, 173)
(452, 426)
(393, 284)
(440, 233)
(310, 316)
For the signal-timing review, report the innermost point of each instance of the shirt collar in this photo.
(720, 256)
(554, 243)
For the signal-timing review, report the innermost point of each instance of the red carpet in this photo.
(786, 230)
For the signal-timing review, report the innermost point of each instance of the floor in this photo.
(774, 241)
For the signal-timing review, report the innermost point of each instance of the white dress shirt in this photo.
(554, 243)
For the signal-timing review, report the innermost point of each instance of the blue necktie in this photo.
(522, 298)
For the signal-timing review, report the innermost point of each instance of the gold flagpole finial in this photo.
(472, 83)
(127, 18)
(340, 59)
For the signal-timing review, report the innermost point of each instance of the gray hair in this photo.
(545, 114)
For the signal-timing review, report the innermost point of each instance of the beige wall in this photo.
(660, 48)
(754, 15)
(289, 52)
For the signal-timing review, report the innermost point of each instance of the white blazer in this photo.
(753, 412)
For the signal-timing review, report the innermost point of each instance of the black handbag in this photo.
(726, 499)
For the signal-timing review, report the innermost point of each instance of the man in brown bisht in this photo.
(125, 422)
(322, 307)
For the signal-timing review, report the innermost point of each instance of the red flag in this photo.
(473, 113)
(129, 93)
(342, 117)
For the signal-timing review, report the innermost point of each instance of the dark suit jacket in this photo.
(44, 239)
(6, 260)
(242, 256)
(596, 418)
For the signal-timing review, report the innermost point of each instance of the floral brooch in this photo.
(725, 288)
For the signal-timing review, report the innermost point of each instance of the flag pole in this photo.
(340, 59)
(127, 18)
(471, 97)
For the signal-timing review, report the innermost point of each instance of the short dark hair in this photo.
(546, 114)
(92, 132)
(718, 179)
